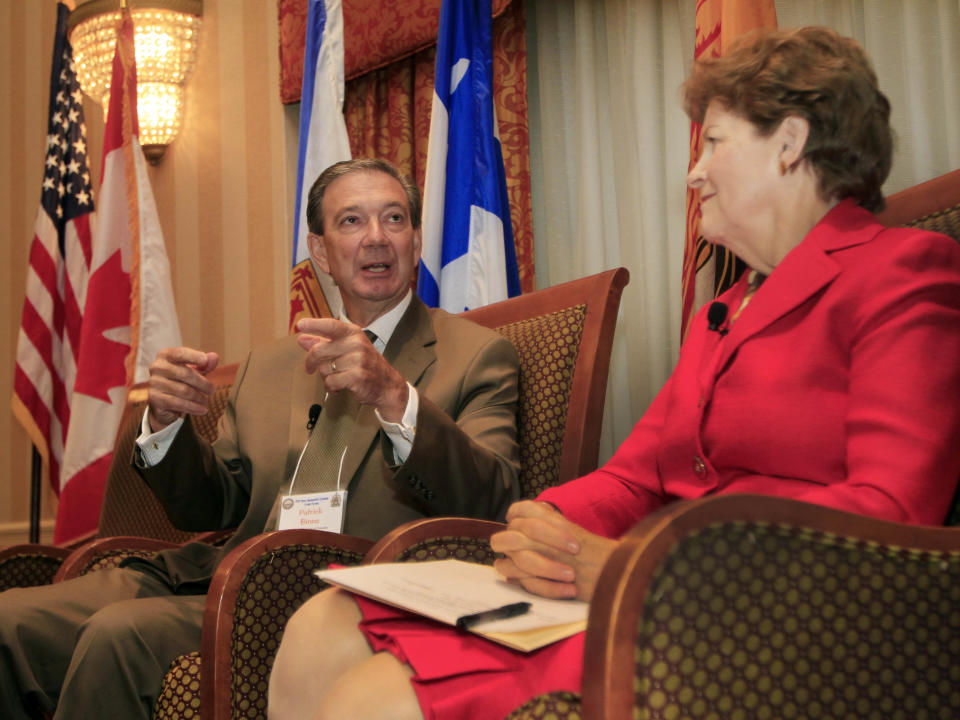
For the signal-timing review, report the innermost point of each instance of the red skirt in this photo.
(461, 676)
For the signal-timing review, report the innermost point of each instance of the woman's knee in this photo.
(377, 689)
(323, 634)
(320, 641)
(331, 610)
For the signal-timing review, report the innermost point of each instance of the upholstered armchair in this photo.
(564, 337)
(754, 606)
(129, 509)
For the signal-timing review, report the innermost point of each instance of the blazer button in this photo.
(699, 467)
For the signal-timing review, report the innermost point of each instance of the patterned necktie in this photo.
(320, 465)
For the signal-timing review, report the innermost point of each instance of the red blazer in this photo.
(839, 384)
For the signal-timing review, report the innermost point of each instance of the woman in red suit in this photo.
(830, 373)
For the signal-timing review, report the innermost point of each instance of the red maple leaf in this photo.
(101, 363)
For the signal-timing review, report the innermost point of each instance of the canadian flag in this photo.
(129, 312)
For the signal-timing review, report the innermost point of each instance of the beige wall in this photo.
(221, 194)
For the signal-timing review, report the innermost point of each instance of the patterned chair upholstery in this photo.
(564, 337)
(753, 606)
(550, 706)
(272, 575)
(129, 508)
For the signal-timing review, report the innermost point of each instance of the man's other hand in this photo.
(178, 385)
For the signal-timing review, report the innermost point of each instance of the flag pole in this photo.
(36, 473)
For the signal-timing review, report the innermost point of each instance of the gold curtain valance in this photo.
(375, 33)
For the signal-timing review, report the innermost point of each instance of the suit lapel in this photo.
(798, 277)
(411, 352)
(411, 348)
(304, 391)
(805, 271)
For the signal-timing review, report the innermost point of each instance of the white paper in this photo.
(447, 589)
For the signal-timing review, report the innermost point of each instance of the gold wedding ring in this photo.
(333, 365)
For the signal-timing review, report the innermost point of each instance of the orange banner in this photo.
(719, 23)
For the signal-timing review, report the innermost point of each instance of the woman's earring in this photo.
(783, 168)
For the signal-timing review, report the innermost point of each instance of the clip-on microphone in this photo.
(716, 316)
(314, 414)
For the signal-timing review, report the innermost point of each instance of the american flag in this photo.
(58, 269)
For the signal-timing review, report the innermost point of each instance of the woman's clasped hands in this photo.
(549, 555)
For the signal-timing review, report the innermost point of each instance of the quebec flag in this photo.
(468, 257)
(323, 141)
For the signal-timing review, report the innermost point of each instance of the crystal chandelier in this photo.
(165, 36)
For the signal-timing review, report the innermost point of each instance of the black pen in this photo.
(465, 622)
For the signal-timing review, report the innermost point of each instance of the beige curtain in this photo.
(609, 147)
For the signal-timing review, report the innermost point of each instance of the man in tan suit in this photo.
(416, 406)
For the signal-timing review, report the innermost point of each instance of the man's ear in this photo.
(792, 139)
(417, 246)
(318, 251)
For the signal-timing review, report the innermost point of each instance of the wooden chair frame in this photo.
(73, 558)
(601, 294)
(624, 584)
(917, 202)
(220, 609)
(395, 545)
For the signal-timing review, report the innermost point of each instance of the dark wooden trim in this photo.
(622, 589)
(81, 558)
(921, 200)
(36, 550)
(216, 651)
(601, 294)
(391, 545)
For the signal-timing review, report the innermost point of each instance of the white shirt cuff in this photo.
(154, 445)
(403, 433)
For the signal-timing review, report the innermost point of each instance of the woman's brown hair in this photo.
(816, 74)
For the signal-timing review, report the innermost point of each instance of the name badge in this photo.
(313, 511)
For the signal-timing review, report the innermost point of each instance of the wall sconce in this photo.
(165, 36)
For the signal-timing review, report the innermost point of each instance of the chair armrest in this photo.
(709, 573)
(436, 539)
(79, 540)
(256, 588)
(107, 553)
(215, 537)
(30, 564)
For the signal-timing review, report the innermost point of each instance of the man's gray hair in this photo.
(345, 167)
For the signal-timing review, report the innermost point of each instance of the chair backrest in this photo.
(933, 205)
(749, 606)
(443, 538)
(129, 507)
(564, 337)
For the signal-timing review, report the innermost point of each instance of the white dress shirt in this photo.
(154, 445)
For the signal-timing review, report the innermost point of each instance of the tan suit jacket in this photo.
(464, 461)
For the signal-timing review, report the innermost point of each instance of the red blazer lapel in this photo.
(805, 271)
